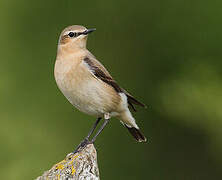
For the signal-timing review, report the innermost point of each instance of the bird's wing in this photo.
(101, 73)
(131, 100)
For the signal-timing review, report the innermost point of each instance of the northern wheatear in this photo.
(88, 86)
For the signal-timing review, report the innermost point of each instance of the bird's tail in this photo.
(129, 122)
(136, 133)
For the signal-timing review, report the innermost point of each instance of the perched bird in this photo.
(89, 87)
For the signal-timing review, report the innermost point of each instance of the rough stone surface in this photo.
(79, 166)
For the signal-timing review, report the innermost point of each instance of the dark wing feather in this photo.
(132, 100)
(101, 73)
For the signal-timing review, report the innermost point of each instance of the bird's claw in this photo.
(82, 145)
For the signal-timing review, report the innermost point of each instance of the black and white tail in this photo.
(128, 120)
(136, 133)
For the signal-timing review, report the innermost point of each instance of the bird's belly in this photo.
(85, 100)
(89, 95)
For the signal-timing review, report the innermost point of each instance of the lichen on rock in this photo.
(79, 166)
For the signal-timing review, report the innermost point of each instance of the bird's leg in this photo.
(106, 120)
(93, 128)
(86, 140)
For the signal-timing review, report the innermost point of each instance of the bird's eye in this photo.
(72, 34)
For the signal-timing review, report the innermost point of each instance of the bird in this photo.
(89, 87)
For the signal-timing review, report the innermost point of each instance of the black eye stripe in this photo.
(73, 34)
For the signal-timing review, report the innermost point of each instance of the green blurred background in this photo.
(166, 53)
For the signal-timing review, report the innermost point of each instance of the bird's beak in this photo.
(88, 31)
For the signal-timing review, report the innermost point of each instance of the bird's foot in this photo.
(82, 145)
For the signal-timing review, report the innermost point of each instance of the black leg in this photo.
(93, 128)
(86, 140)
(100, 130)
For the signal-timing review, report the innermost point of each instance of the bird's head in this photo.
(74, 36)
